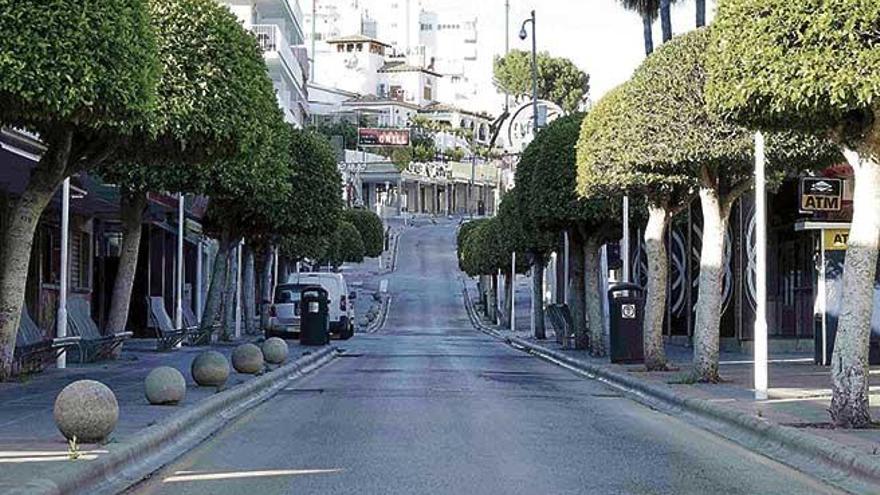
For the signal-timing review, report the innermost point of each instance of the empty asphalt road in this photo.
(429, 405)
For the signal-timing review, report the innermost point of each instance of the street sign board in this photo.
(383, 137)
(820, 194)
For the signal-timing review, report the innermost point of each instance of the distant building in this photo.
(445, 43)
(277, 25)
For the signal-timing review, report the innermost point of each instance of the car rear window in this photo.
(328, 282)
(285, 294)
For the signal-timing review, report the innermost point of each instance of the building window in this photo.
(80, 254)
(428, 94)
(51, 255)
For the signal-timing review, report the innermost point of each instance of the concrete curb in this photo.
(379, 322)
(841, 464)
(157, 445)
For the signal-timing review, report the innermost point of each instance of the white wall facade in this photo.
(278, 27)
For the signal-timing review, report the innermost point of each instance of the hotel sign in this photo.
(820, 194)
(383, 137)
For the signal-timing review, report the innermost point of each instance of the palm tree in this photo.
(666, 19)
(648, 10)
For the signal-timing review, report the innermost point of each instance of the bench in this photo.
(561, 321)
(94, 345)
(33, 349)
(167, 335)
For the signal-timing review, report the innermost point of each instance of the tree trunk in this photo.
(492, 299)
(132, 213)
(655, 303)
(211, 313)
(701, 13)
(577, 294)
(266, 286)
(665, 20)
(709, 300)
(649, 35)
(227, 332)
(249, 291)
(505, 309)
(849, 363)
(538, 295)
(594, 293)
(18, 239)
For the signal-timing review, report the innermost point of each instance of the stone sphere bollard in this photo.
(165, 385)
(87, 410)
(210, 369)
(247, 358)
(275, 350)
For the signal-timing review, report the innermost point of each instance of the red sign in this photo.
(383, 137)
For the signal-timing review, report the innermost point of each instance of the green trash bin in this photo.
(314, 317)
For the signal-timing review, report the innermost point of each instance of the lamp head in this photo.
(523, 34)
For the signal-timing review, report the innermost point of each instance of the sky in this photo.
(599, 36)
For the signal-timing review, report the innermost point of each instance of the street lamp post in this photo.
(523, 34)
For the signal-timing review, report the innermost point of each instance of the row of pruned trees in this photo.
(166, 96)
(683, 129)
(532, 219)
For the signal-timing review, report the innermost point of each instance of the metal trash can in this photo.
(314, 317)
(626, 304)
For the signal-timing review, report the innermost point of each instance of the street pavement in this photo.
(429, 405)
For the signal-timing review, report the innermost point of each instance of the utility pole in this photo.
(314, 32)
(61, 329)
(760, 270)
(506, 45)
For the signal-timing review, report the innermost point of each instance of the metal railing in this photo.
(272, 39)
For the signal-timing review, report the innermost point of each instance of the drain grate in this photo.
(303, 390)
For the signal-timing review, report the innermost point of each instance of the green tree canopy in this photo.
(811, 64)
(619, 151)
(371, 228)
(88, 64)
(461, 239)
(559, 80)
(483, 250)
(681, 138)
(315, 205)
(214, 100)
(550, 162)
(345, 246)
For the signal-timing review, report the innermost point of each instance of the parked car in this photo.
(284, 314)
(341, 301)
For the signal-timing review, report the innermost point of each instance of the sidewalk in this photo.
(32, 450)
(799, 396)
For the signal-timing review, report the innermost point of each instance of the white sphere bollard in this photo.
(86, 410)
(275, 350)
(247, 358)
(210, 369)
(165, 385)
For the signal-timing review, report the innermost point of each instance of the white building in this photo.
(277, 25)
(445, 43)
(353, 64)
(449, 43)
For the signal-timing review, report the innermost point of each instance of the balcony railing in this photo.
(272, 40)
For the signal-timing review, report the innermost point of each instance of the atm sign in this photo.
(835, 239)
(821, 194)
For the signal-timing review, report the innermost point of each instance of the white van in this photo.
(341, 302)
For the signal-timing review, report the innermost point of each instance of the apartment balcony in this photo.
(279, 56)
